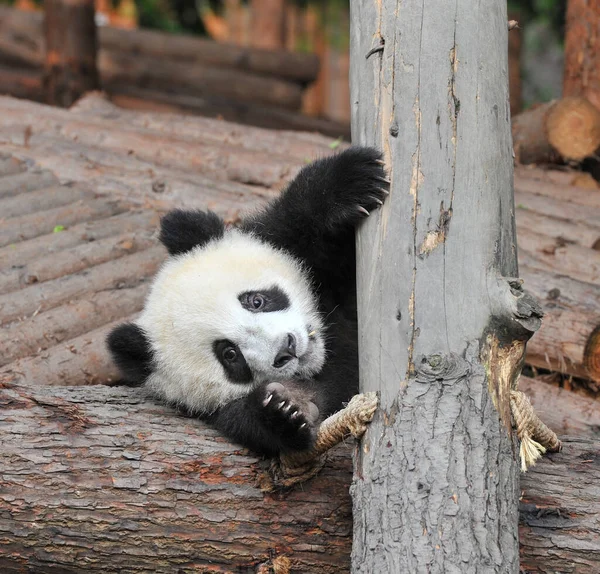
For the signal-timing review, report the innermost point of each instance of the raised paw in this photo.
(291, 414)
(361, 184)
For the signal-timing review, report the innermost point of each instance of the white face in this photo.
(227, 317)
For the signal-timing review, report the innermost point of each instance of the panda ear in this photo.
(132, 352)
(182, 230)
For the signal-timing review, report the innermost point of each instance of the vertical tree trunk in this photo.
(267, 23)
(582, 50)
(442, 325)
(70, 65)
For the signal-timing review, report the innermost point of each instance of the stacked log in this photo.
(567, 129)
(558, 230)
(231, 169)
(164, 72)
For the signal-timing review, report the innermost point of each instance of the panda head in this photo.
(226, 313)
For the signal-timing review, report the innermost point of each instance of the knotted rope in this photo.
(293, 468)
(535, 437)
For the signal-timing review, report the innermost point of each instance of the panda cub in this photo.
(253, 329)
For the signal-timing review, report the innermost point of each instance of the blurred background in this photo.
(309, 92)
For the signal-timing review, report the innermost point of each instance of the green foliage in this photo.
(158, 14)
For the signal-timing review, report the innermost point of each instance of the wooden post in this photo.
(267, 23)
(442, 324)
(70, 64)
(582, 51)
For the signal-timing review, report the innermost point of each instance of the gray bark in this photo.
(442, 328)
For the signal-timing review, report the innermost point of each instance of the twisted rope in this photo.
(535, 437)
(293, 468)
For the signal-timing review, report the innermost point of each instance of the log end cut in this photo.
(573, 128)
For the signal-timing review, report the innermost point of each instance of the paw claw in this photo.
(280, 405)
(302, 426)
(267, 400)
(363, 210)
(377, 201)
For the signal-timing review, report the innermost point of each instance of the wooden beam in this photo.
(70, 62)
(436, 480)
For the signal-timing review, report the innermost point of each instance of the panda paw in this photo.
(362, 185)
(291, 416)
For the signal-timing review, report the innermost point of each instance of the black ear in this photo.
(132, 352)
(182, 230)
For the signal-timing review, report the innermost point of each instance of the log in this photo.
(132, 97)
(436, 313)
(40, 297)
(22, 83)
(557, 208)
(530, 142)
(18, 183)
(582, 60)
(573, 128)
(70, 60)
(557, 185)
(120, 69)
(68, 321)
(566, 413)
(83, 360)
(559, 507)
(81, 462)
(37, 248)
(568, 340)
(267, 23)
(564, 177)
(559, 256)
(21, 37)
(558, 229)
(567, 129)
(35, 224)
(78, 464)
(74, 259)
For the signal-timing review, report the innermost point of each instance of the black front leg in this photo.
(272, 419)
(321, 206)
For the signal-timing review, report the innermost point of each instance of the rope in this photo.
(535, 437)
(293, 468)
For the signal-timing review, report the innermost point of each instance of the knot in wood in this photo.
(443, 368)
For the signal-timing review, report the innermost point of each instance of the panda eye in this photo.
(230, 354)
(257, 301)
(265, 301)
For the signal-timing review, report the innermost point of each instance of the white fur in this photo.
(194, 302)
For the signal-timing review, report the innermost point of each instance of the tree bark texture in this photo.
(100, 479)
(70, 63)
(268, 23)
(582, 54)
(436, 480)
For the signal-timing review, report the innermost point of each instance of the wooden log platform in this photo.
(78, 259)
(102, 479)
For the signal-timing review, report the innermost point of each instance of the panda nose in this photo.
(286, 353)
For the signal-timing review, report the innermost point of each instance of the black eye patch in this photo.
(233, 361)
(267, 301)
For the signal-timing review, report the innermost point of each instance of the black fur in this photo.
(266, 301)
(182, 230)
(131, 350)
(236, 368)
(287, 422)
(314, 219)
